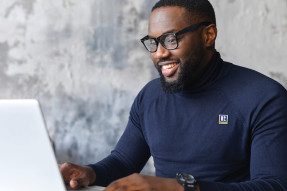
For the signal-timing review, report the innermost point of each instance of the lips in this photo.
(169, 68)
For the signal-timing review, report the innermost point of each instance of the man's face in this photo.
(179, 67)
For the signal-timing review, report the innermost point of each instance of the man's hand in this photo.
(76, 176)
(144, 183)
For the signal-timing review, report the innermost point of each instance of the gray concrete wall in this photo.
(83, 60)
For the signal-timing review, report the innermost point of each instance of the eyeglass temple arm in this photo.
(193, 27)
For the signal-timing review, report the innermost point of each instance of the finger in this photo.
(74, 184)
(131, 183)
(69, 171)
(64, 169)
(81, 174)
(113, 186)
(66, 166)
(83, 182)
(119, 185)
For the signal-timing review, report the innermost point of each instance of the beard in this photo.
(189, 72)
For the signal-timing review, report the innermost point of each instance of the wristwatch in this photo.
(187, 181)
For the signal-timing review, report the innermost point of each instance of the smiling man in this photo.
(208, 124)
(180, 67)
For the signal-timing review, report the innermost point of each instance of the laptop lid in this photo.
(27, 161)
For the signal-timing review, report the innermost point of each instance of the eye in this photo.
(170, 39)
(152, 42)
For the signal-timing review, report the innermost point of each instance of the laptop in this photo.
(27, 161)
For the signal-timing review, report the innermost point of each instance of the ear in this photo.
(209, 35)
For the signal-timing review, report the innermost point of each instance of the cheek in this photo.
(153, 59)
(190, 50)
(184, 53)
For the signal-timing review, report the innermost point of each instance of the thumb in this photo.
(74, 184)
(79, 182)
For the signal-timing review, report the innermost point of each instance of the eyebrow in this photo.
(168, 31)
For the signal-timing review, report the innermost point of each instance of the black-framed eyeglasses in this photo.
(169, 40)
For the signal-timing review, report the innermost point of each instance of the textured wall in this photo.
(83, 60)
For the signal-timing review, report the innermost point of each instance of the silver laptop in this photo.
(27, 161)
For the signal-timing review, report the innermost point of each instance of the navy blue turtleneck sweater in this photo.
(229, 131)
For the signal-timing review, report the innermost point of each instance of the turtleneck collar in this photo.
(208, 77)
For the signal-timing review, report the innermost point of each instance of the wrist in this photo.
(179, 187)
(91, 174)
(197, 188)
(166, 184)
(172, 184)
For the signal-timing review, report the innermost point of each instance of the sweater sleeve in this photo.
(130, 154)
(268, 154)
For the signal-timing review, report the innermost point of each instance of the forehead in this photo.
(168, 19)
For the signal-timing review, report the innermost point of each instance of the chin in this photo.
(171, 86)
(173, 79)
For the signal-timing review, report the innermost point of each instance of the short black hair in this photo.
(200, 8)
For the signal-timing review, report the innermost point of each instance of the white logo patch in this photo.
(223, 119)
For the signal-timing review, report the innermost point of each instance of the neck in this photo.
(205, 62)
(206, 73)
(207, 59)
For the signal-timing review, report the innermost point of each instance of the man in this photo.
(209, 124)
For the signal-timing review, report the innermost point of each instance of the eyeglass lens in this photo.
(168, 41)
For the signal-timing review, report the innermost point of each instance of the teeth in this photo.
(168, 66)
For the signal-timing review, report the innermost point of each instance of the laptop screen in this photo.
(27, 158)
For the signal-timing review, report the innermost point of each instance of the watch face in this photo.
(189, 179)
(186, 180)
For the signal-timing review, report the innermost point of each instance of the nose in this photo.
(161, 52)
